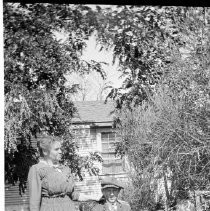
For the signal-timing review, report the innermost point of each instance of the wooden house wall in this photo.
(13, 200)
(87, 139)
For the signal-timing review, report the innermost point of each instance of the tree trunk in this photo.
(166, 192)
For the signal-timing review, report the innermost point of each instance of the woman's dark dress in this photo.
(51, 188)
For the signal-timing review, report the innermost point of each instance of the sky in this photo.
(92, 53)
(93, 80)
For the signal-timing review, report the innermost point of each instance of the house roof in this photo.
(93, 112)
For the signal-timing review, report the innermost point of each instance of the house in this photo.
(92, 127)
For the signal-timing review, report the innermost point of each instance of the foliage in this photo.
(146, 40)
(91, 87)
(170, 131)
(36, 62)
(163, 54)
(78, 163)
(164, 129)
(162, 135)
(17, 165)
(138, 195)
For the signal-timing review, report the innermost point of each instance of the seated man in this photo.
(110, 188)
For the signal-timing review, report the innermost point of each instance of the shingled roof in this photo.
(93, 112)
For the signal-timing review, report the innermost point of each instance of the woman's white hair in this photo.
(44, 143)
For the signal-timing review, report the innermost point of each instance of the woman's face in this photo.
(54, 152)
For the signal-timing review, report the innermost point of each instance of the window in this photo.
(111, 164)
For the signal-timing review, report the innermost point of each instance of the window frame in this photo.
(113, 158)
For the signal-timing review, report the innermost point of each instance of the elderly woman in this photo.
(51, 185)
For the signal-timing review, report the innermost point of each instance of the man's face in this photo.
(111, 194)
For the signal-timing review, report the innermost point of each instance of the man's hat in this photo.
(110, 182)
